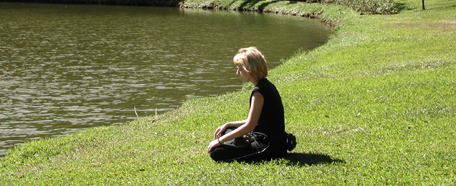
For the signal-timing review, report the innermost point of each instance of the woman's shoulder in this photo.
(263, 86)
(264, 82)
(260, 85)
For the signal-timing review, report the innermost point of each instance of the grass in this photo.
(376, 105)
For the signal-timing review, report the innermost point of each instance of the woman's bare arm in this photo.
(252, 120)
(249, 125)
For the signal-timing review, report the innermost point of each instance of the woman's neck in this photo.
(255, 81)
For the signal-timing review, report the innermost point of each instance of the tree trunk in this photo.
(422, 4)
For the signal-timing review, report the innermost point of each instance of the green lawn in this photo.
(376, 105)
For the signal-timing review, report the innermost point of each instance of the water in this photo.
(64, 68)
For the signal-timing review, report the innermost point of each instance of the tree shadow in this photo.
(264, 4)
(249, 3)
(440, 7)
(402, 6)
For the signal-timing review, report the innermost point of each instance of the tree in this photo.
(422, 4)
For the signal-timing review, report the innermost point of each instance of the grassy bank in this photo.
(376, 105)
(330, 14)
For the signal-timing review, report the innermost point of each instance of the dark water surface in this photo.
(64, 68)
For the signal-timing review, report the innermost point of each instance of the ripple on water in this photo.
(69, 67)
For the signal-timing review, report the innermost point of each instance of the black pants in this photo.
(232, 150)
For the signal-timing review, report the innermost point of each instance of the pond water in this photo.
(69, 67)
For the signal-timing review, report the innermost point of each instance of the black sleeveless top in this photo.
(272, 119)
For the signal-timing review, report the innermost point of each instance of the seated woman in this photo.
(265, 122)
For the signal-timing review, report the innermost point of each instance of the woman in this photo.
(265, 121)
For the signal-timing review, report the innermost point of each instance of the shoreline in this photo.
(325, 13)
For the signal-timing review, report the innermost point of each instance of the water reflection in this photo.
(69, 67)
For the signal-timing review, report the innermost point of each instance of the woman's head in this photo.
(252, 61)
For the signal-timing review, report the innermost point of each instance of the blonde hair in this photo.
(253, 62)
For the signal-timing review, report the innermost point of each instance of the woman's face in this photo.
(245, 76)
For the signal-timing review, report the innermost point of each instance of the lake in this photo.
(65, 68)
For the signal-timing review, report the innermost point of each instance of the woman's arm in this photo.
(218, 132)
(249, 125)
(236, 123)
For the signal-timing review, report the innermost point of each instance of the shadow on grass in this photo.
(300, 159)
(440, 7)
(402, 6)
(248, 4)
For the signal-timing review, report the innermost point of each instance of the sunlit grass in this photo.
(374, 106)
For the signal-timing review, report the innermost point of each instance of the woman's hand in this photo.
(218, 132)
(212, 144)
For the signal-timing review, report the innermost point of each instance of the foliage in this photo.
(373, 106)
